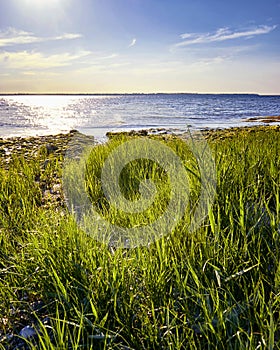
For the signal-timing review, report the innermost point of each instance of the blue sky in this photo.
(140, 46)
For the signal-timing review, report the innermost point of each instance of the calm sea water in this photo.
(24, 115)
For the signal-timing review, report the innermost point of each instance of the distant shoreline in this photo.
(136, 94)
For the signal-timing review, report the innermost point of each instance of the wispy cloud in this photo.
(133, 42)
(26, 60)
(223, 34)
(66, 36)
(12, 36)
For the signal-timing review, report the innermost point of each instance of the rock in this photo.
(51, 148)
(264, 119)
(27, 332)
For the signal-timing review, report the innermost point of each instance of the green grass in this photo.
(215, 288)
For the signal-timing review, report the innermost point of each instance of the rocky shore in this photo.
(29, 147)
(264, 119)
(56, 145)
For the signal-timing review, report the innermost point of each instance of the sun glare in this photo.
(42, 4)
(43, 11)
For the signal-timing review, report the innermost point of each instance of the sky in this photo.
(139, 46)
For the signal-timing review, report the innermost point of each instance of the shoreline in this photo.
(33, 145)
(57, 143)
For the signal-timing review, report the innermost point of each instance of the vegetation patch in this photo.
(215, 288)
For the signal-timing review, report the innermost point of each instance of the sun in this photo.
(54, 10)
(43, 14)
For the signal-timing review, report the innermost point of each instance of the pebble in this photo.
(27, 332)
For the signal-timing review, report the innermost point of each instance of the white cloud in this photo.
(106, 57)
(133, 42)
(35, 60)
(223, 34)
(66, 36)
(12, 36)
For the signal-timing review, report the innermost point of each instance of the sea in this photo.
(30, 115)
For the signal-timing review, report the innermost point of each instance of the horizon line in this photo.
(130, 93)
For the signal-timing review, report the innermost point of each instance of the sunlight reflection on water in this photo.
(23, 115)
